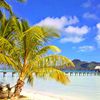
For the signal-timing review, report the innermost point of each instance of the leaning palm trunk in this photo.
(18, 88)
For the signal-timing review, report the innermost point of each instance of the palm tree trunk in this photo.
(18, 88)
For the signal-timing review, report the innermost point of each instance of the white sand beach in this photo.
(36, 95)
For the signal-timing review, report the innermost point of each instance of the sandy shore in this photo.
(36, 95)
(42, 96)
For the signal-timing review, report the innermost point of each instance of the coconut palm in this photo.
(25, 49)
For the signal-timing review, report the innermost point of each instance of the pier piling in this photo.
(4, 74)
(13, 73)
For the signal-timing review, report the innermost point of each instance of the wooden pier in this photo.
(82, 73)
(69, 72)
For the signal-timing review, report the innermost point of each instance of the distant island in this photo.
(84, 65)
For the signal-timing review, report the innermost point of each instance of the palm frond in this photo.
(52, 32)
(34, 37)
(8, 61)
(30, 79)
(49, 72)
(56, 61)
(3, 21)
(47, 48)
(48, 67)
(43, 51)
(1, 14)
(8, 49)
(17, 27)
(5, 44)
(5, 5)
(37, 33)
(8, 27)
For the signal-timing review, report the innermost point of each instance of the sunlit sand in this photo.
(36, 95)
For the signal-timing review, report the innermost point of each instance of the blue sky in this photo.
(78, 22)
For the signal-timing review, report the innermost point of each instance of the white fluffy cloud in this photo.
(71, 39)
(98, 25)
(86, 48)
(98, 34)
(65, 25)
(88, 15)
(58, 23)
(77, 30)
(75, 34)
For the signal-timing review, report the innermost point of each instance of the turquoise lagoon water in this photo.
(84, 87)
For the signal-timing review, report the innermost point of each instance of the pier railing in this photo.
(4, 72)
(69, 72)
(81, 72)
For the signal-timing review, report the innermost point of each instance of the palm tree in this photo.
(25, 49)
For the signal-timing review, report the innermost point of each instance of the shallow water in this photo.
(83, 87)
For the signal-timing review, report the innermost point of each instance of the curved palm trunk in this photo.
(18, 88)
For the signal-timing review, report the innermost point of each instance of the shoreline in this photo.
(37, 95)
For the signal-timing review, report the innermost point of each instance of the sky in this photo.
(77, 21)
